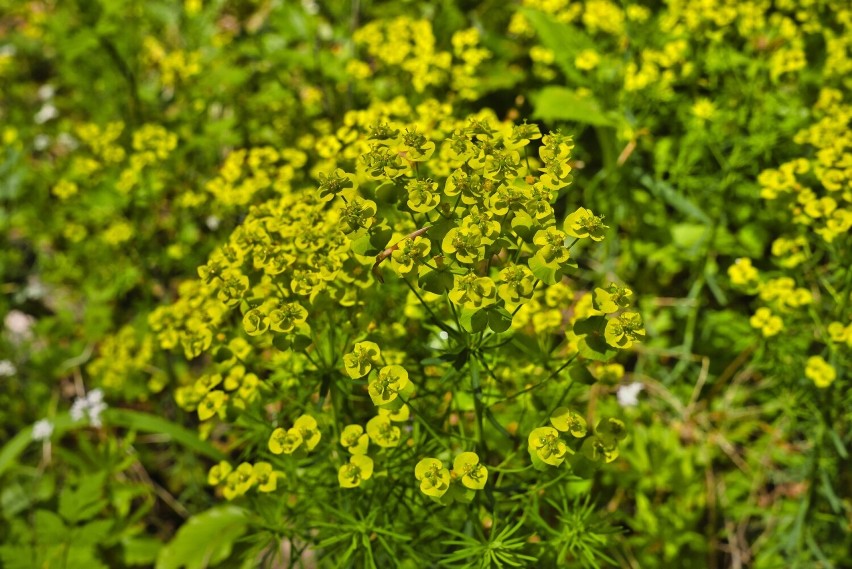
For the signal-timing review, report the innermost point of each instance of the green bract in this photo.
(434, 478)
(546, 447)
(569, 421)
(361, 360)
(359, 469)
(469, 471)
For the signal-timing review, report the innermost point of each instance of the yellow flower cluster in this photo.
(103, 140)
(451, 216)
(820, 372)
(406, 45)
(245, 173)
(123, 357)
(190, 321)
(175, 66)
(814, 196)
(235, 482)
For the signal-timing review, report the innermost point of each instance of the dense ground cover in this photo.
(412, 284)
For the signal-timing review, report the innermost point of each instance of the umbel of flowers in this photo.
(405, 308)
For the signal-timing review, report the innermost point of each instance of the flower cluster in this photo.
(406, 46)
(810, 194)
(460, 484)
(235, 482)
(569, 435)
(450, 225)
(90, 407)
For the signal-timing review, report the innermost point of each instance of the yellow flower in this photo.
(466, 467)
(820, 372)
(286, 442)
(383, 432)
(354, 439)
(544, 445)
(219, 472)
(742, 273)
(434, 478)
(704, 109)
(359, 468)
(65, 189)
(307, 427)
(766, 322)
(587, 60)
(267, 479)
(211, 404)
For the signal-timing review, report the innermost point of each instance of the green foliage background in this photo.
(140, 140)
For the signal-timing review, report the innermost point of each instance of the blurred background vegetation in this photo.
(713, 136)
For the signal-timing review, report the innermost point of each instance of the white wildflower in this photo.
(20, 325)
(42, 430)
(67, 141)
(46, 113)
(7, 368)
(46, 91)
(91, 406)
(41, 142)
(628, 395)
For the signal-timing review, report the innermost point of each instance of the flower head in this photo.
(544, 445)
(359, 468)
(628, 395)
(466, 467)
(42, 430)
(91, 405)
(820, 371)
(434, 478)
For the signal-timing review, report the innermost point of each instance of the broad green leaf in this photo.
(436, 282)
(141, 550)
(590, 325)
(499, 319)
(84, 501)
(49, 528)
(560, 103)
(689, 235)
(16, 557)
(205, 539)
(564, 40)
(593, 347)
(548, 273)
(473, 320)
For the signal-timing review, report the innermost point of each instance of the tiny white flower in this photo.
(78, 408)
(35, 288)
(95, 415)
(46, 91)
(67, 141)
(46, 113)
(7, 368)
(41, 141)
(19, 324)
(628, 395)
(212, 222)
(91, 406)
(95, 396)
(42, 430)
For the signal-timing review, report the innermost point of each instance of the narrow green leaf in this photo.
(153, 424)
